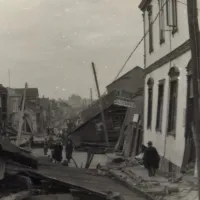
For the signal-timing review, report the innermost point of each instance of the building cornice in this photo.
(144, 4)
(169, 57)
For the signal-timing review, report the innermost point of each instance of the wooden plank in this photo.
(17, 196)
(52, 197)
(134, 149)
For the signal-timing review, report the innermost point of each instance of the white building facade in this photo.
(168, 95)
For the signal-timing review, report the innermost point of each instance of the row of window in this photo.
(172, 109)
(171, 20)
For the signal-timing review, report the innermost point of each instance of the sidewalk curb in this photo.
(130, 186)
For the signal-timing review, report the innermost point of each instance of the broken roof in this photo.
(94, 109)
(130, 81)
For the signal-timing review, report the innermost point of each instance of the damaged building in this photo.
(116, 102)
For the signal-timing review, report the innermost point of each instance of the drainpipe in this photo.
(170, 65)
(144, 25)
(145, 63)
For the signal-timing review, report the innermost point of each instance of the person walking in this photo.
(151, 159)
(69, 149)
(45, 146)
(57, 152)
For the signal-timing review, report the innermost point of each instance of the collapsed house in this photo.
(115, 105)
(36, 112)
(131, 134)
(15, 97)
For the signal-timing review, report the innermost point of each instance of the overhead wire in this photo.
(138, 44)
(141, 40)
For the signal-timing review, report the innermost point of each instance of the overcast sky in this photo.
(51, 43)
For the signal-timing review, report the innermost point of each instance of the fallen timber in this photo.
(50, 179)
(10, 151)
(41, 178)
(17, 196)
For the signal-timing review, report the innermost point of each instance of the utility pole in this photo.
(9, 78)
(100, 104)
(21, 119)
(195, 51)
(91, 97)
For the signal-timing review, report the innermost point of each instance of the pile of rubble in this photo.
(22, 177)
(135, 177)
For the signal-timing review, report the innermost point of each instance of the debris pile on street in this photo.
(135, 177)
(25, 177)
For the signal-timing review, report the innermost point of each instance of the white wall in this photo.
(174, 146)
(176, 40)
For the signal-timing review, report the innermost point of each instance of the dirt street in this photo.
(79, 157)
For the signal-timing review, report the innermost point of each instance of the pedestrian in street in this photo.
(57, 152)
(31, 141)
(45, 146)
(151, 159)
(69, 149)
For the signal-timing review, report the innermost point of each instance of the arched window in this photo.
(160, 102)
(150, 84)
(173, 96)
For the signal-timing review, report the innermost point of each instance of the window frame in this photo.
(150, 21)
(150, 84)
(173, 11)
(161, 21)
(160, 105)
(172, 112)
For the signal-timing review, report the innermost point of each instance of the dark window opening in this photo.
(150, 101)
(160, 107)
(150, 18)
(172, 106)
(172, 15)
(161, 21)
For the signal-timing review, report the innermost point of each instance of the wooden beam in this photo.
(17, 196)
(21, 120)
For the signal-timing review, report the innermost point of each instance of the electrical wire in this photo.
(141, 40)
(138, 44)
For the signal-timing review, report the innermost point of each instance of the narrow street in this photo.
(86, 178)
(79, 157)
(99, 99)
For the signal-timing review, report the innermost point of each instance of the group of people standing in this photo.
(63, 141)
(56, 148)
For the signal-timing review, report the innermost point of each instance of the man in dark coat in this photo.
(69, 149)
(45, 146)
(57, 152)
(151, 159)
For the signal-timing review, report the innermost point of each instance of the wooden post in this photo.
(121, 136)
(195, 51)
(91, 97)
(100, 104)
(21, 120)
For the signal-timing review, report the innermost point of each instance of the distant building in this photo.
(31, 112)
(3, 105)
